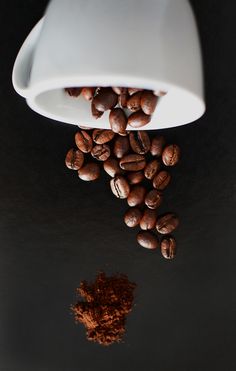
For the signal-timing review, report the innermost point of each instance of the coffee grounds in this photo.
(106, 304)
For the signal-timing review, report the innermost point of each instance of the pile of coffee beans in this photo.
(128, 106)
(138, 165)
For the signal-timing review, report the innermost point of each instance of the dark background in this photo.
(57, 230)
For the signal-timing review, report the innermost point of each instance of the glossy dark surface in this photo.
(57, 230)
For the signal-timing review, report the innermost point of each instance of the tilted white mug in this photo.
(150, 44)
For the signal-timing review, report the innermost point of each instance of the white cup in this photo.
(151, 44)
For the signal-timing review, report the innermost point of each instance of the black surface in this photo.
(56, 230)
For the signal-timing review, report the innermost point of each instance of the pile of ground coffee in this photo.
(106, 304)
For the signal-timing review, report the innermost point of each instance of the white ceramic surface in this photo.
(151, 44)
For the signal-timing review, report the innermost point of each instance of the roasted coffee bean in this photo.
(134, 102)
(73, 92)
(161, 180)
(167, 223)
(151, 169)
(74, 159)
(118, 90)
(136, 196)
(105, 99)
(120, 187)
(101, 136)
(148, 102)
(153, 199)
(89, 172)
(168, 247)
(138, 119)
(148, 240)
(157, 146)
(133, 90)
(96, 114)
(123, 98)
(88, 93)
(101, 152)
(83, 141)
(148, 220)
(139, 142)
(171, 155)
(118, 120)
(135, 177)
(112, 168)
(132, 217)
(133, 162)
(121, 146)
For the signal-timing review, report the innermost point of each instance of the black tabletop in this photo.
(57, 230)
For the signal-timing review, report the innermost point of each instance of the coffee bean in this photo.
(157, 146)
(101, 152)
(95, 113)
(167, 223)
(123, 98)
(83, 141)
(121, 146)
(147, 240)
(138, 119)
(133, 90)
(135, 177)
(151, 169)
(153, 199)
(118, 120)
(171, 155)
(88, 93)
(132, 217)
(134, 102)
(73, 92)
(101, 136)
(119, 91)
(105, 99)
(120, 187)
(148, 102)
(168, 247)
(139, 142)
(136, 196)
(133, 162)
(89, 172)
(148, 220)
(74, 159)
(161, 180)
(112, 168)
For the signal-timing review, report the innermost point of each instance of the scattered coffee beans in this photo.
(121, 146)
(136, 196)
(171, 155)
(83, 141)
(112, 168)
(101, 152)
(168, 247)
(153, 199)
(161, 180)
(132, 217)
(148, 240)
(89, 172)
(138, 170)
(167, 223)
(74, 159)
(133, 162)
(120, 187)
(139, 142)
